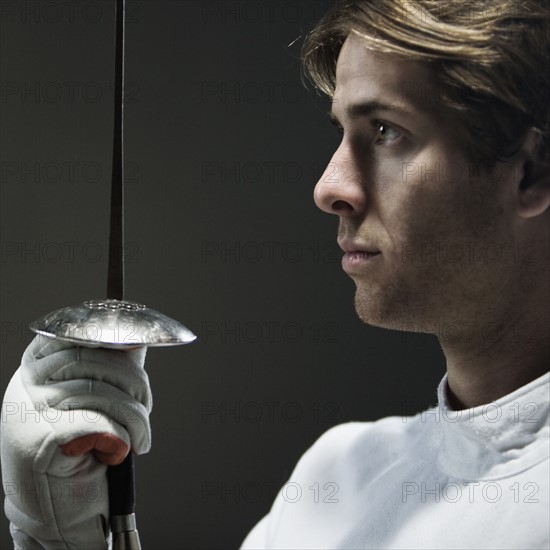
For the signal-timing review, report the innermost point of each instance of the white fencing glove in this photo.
(68, 412)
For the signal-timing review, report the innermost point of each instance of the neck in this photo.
(493, 363)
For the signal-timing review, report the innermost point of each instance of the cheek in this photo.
(413, 207)
(446, 229)
(432, 194)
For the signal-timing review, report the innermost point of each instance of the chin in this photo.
(388, 308)
(370, 310)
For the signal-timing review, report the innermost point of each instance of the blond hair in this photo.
(491, 58)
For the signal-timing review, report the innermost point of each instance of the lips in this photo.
(357, 247)
(358, 255)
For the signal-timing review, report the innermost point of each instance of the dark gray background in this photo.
(224, 145)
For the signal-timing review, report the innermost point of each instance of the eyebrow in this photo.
(366, 108)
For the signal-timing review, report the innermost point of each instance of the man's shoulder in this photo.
(363, 444)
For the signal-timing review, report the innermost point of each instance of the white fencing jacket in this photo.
(476, 478)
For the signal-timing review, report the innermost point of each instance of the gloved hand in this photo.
(67, 413)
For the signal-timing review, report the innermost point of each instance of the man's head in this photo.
(443, 165)
(490, 60)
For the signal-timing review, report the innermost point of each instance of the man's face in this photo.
(402, 188)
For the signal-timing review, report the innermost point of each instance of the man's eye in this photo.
(386, 133)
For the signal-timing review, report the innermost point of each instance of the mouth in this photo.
(357, 255)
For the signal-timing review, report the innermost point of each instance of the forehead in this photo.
(363, 75)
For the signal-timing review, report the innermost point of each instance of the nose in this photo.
(339, 190)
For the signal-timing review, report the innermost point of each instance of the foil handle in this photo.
(122, 505)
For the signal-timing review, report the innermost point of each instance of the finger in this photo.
(106, 447)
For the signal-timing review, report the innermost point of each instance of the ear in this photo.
(534, 181)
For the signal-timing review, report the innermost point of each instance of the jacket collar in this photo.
(498, 439)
